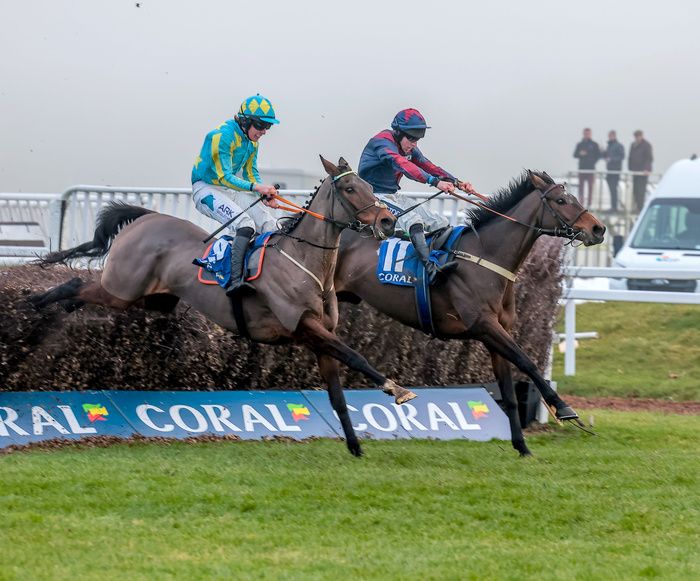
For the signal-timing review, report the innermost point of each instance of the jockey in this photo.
(391, 154)
(220, 194)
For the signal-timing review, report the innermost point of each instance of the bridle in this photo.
(565, 229)
(354, 224)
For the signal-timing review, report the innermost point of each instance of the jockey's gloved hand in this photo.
(445, 186)
(466, 187)
(268, 193)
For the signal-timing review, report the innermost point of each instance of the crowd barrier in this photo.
(437, 413)
(69, 219)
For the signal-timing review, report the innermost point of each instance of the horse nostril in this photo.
(387, 224)
(599, 230)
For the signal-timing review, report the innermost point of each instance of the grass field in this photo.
(623, 505)
(644, 350)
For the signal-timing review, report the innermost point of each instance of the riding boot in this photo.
(421, 246)
(238, 285)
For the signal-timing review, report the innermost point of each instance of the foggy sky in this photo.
(104, 92)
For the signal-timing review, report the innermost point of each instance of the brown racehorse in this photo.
(476, 301)
(150, 263)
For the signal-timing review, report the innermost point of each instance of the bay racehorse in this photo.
(149, 263)
(476, 301)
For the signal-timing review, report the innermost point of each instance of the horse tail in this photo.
(110, 221)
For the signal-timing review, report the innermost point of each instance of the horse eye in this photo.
(561, 201)
(350, 190)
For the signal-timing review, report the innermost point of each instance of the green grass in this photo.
(623, 505)
(644, 350)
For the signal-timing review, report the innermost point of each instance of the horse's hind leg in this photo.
(65, 294)
(497, 340)
(312, 332)
(504, 377)
(328, 367)
(75, 293)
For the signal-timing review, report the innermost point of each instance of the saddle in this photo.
(399, 264)
(215, 263)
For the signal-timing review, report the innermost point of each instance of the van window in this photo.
(670, 224)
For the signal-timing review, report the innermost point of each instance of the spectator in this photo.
(640, 160)
(614, 154)
(588, 153)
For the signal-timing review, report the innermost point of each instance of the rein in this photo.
(356, 225)
(566, 230)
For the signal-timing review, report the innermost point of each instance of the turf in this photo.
(623, 505)
(644, 350)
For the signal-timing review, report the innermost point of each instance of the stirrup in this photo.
(241, 288)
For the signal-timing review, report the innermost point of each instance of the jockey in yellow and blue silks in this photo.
(219, 193)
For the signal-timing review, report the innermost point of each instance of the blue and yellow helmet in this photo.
(258, 107)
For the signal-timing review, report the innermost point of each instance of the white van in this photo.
(667, 232)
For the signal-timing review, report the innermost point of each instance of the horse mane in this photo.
(504, 199)
(289, 223)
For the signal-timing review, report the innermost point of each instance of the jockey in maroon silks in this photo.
(392, 154)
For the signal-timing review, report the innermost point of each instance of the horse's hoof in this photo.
(390, 387)
(566, 413)
(356, 449)
(403, 395)
(525, 454)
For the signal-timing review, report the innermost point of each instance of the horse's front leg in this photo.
(328, 368)
(501, 369)
(497, 340)
(312, 332)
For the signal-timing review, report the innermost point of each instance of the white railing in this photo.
(571, 295)
(69, 219)
(617, 222)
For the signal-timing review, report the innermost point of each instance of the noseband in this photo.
(355, 224)
(567, 229)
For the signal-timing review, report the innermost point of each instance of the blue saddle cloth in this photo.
(218, 260)
(400, 265)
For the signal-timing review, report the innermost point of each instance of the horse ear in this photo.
(343, 164)
(331, 169)
(536, 180)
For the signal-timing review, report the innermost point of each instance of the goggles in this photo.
(260, 125)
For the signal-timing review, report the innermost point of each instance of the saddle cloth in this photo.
(399, 264)
(215, 264)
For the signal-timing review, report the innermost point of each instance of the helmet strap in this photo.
(243, 122)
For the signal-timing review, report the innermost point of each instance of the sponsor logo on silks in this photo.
(299, 411)
(208, 201)
(395, 278)
(479, 409)
(95, 412)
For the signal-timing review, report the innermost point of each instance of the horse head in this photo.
(562, 214)
(357, 200)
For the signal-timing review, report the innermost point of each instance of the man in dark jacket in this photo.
(614, 154)
(588, 153)
(640, 160)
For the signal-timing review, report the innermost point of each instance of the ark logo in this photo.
(299, 411)
(479, 409)
(95, 412)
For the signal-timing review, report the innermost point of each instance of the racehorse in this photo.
(150, 264)
(476, 301)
